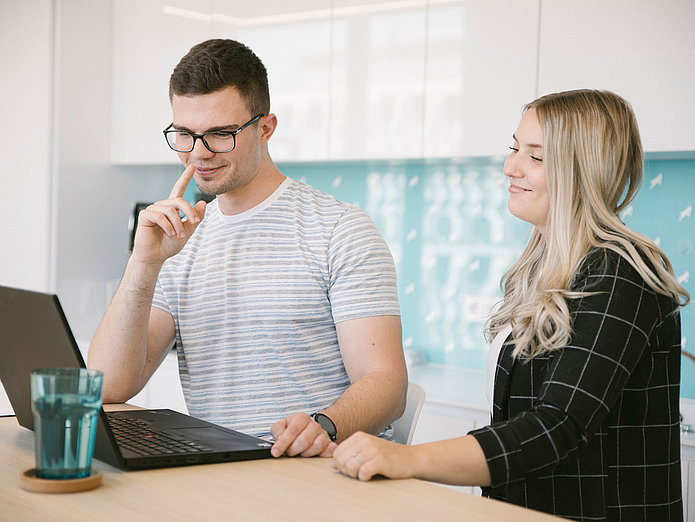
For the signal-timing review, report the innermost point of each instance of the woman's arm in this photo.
(458, 461)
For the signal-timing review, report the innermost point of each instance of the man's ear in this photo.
(267, 125)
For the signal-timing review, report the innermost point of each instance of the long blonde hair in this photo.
(592, 161)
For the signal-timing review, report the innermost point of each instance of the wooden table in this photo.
(274, 489)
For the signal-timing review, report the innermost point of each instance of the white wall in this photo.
(85, 233)
(66, 208)
(93, 200)
(26, 41)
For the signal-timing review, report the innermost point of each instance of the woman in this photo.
(585, 408)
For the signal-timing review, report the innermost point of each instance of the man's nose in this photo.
(200, 150)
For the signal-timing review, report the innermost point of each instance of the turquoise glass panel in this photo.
(448, 228)
(663, 211)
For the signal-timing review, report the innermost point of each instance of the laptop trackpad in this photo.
(206, 434)
(221, 439)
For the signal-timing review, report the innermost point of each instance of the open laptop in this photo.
(34, 333)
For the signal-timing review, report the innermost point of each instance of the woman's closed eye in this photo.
(534, 158)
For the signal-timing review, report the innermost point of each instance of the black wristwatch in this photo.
(327, 424)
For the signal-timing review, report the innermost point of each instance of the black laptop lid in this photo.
(34, 333)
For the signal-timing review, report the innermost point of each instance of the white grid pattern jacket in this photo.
(591, 432)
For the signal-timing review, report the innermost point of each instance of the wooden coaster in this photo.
(31, 482)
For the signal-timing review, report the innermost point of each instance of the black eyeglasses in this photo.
(214, 141)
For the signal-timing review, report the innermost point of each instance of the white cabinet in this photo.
(688, 479)
(480, 71)
(5, 406)
(349, 79)
(163, 390)
(356, 79)
(441, 420)
(377, 79)
(293, 39)
(643, 50)
(685, 475)
(149, 38)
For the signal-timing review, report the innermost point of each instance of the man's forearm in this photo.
(370, 404)
(119, 346)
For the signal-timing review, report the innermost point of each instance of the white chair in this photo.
(404, 427)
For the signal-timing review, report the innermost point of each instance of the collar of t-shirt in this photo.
(243, 216)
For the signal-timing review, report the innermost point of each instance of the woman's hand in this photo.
(459, 461)
(363, 456)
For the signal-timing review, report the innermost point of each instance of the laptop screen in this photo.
(34, 333)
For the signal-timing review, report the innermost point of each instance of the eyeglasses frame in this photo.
(195, 137)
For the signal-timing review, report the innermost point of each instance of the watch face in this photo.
(326, 424)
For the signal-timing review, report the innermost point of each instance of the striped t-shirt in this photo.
(255, 298)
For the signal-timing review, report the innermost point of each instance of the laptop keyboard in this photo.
(138, 436)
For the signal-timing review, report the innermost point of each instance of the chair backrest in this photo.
(404, 427)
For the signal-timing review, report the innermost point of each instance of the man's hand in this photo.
(161, 232)
(299, 434)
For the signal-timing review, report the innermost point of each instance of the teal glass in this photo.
(66, 404)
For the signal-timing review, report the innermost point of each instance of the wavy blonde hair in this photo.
(592, 160)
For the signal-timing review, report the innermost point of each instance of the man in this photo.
(281, 300)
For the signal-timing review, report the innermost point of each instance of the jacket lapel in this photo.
(505, 363)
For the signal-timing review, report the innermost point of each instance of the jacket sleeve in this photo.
(610, 333)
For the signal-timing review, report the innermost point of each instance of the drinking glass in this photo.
(66, 404)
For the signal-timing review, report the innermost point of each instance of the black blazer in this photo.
(591, 432)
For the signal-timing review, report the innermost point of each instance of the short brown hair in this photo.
(219, 63)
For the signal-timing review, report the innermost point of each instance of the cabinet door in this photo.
(149, 39)
(377, 79)
(685, 473)
(293, 41)
(5, 406)
(163, 390)
(689, 496)
(481, 70)
(439, 421)
(642, 50)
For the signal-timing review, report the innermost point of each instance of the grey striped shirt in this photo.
(255, 298)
